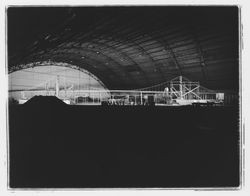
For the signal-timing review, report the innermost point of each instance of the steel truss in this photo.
(180, 91)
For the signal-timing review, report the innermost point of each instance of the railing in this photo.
(117, 97)
(180, 91)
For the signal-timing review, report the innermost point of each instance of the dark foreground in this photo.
(57, 146)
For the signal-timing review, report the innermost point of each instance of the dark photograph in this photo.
(124, 97)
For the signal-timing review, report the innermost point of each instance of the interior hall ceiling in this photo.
(131, 47)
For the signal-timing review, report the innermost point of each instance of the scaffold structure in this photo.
(178, 91)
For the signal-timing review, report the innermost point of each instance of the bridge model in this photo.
(178, 91)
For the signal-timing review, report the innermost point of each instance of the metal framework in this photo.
(178, 91)
(185, 92)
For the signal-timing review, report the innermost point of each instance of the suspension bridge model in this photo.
(178, 91)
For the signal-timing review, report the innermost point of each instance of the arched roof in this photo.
(131, 47)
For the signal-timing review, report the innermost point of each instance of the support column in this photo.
(171, 90)
(141, 98)
(198, 90)
(57, 86)
(181, 87)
